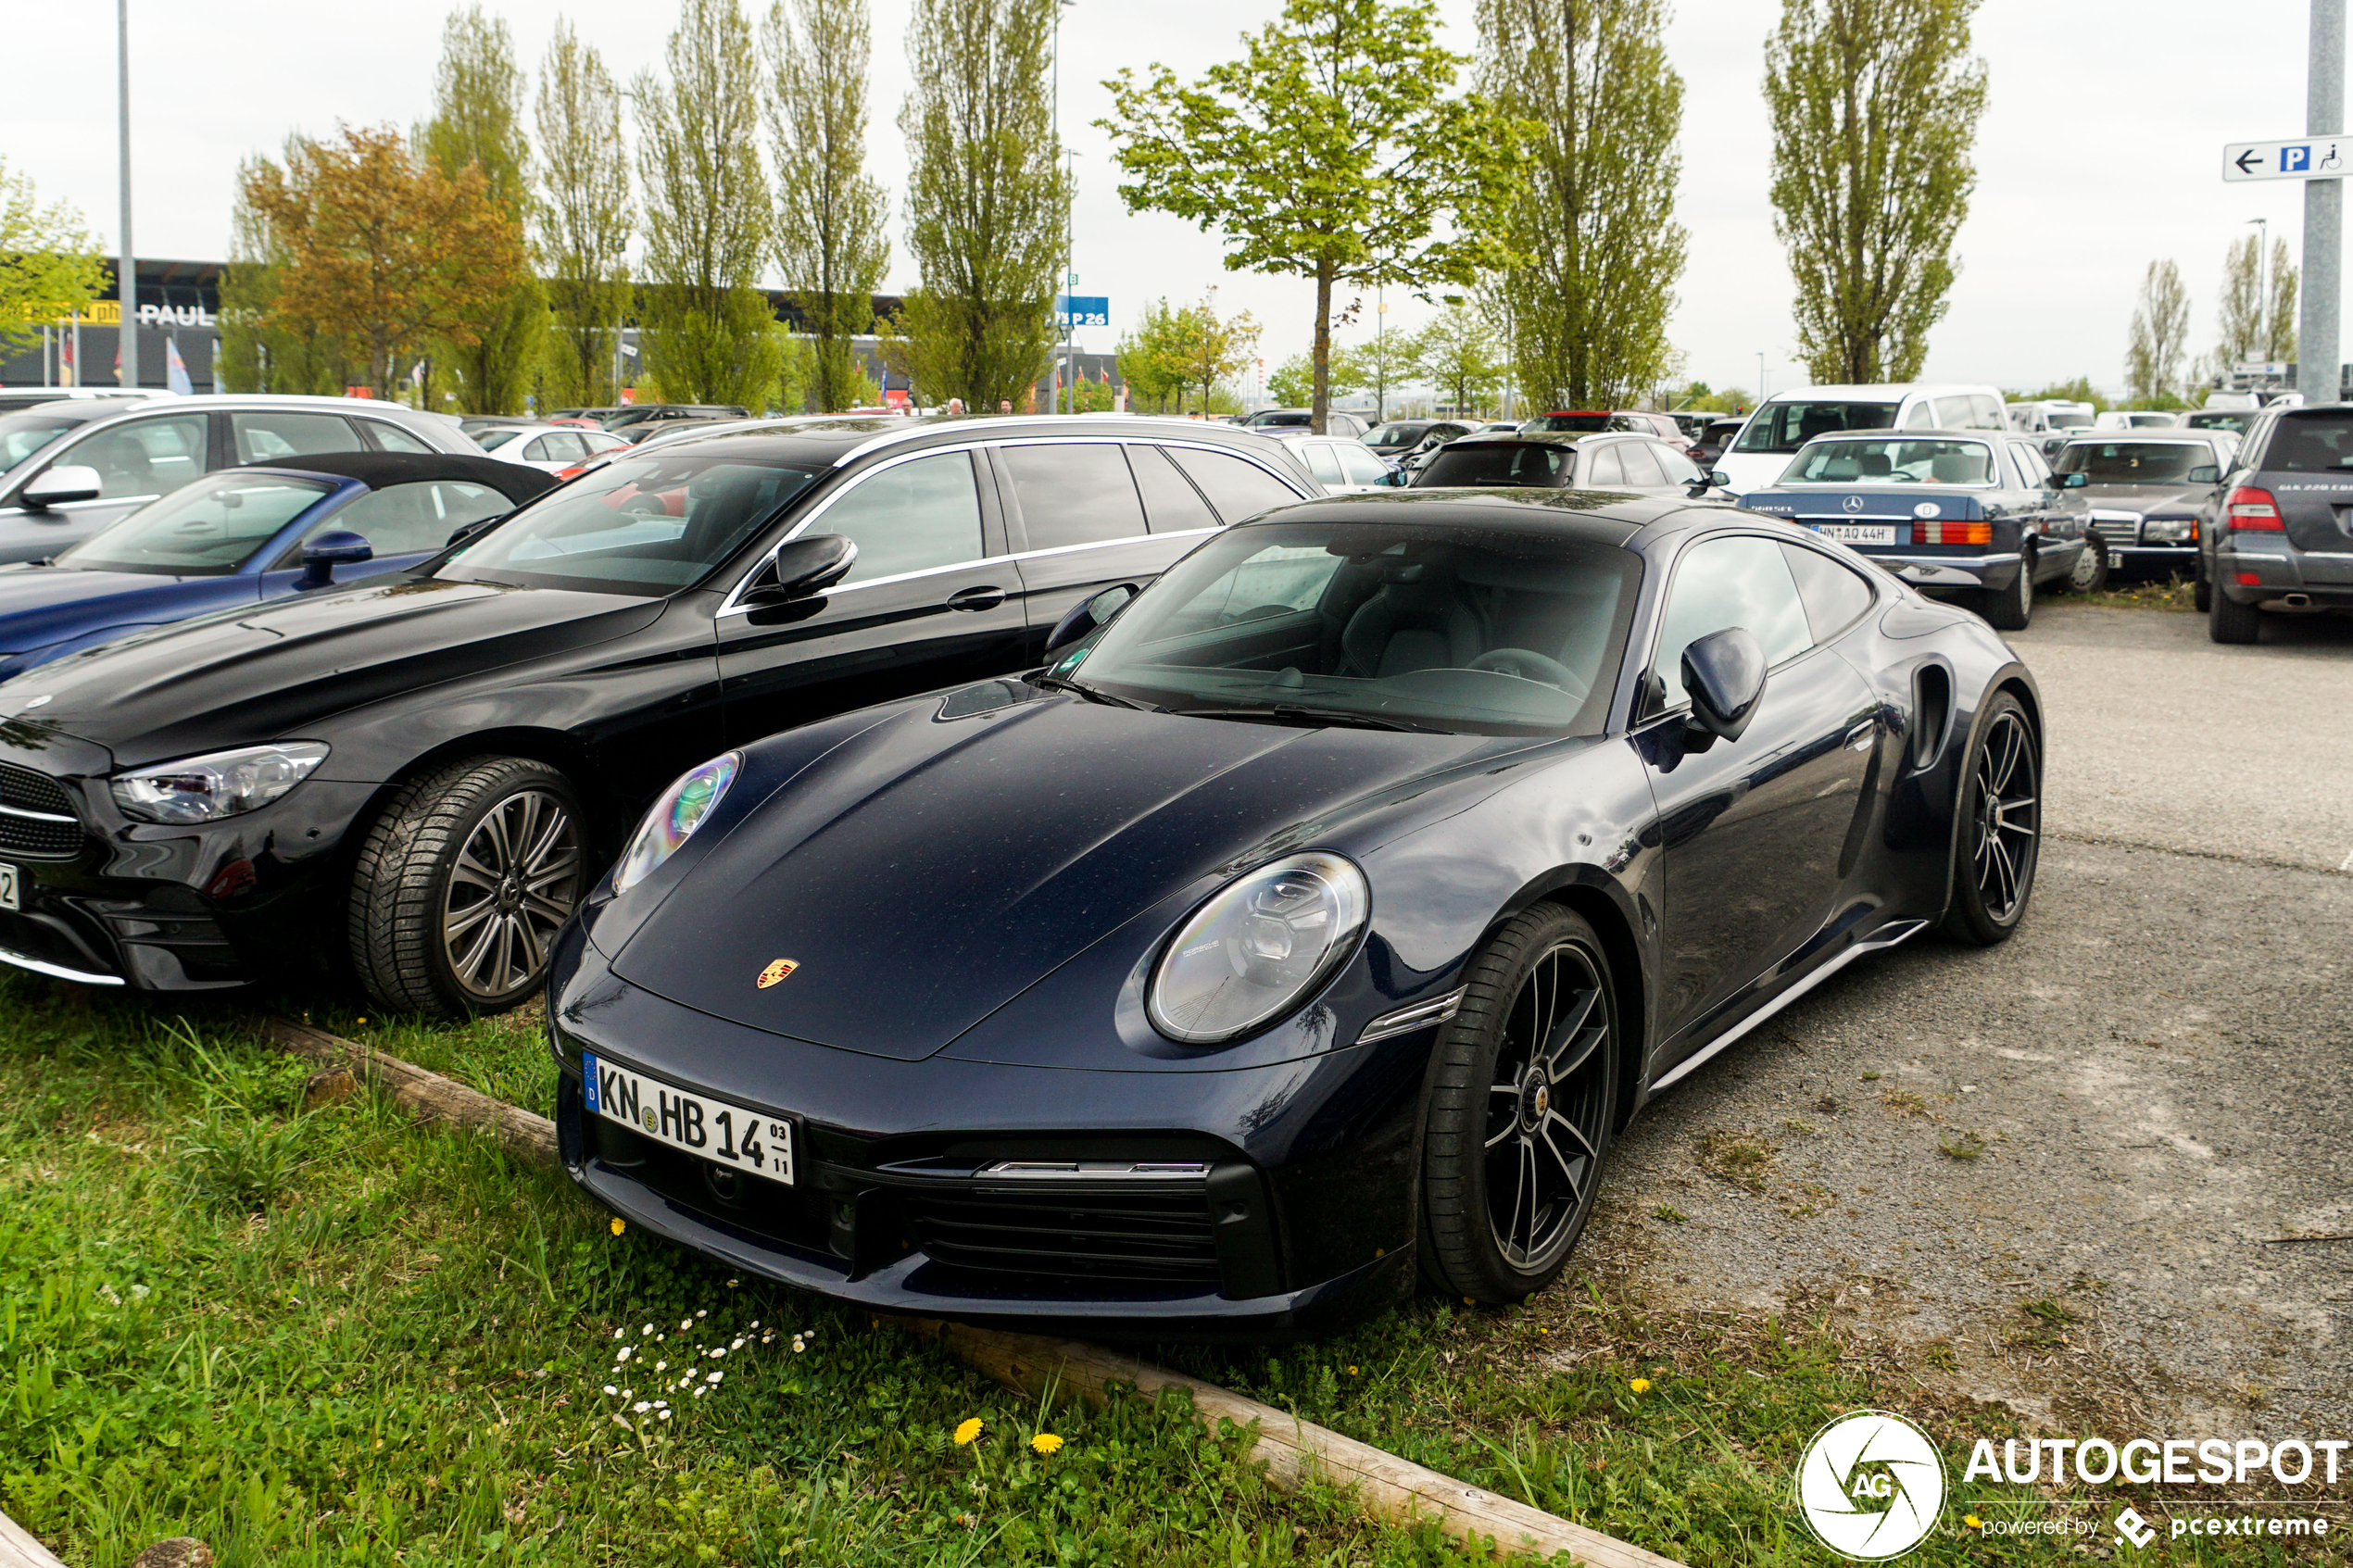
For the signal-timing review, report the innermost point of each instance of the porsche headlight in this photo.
(674, 817)
(226, 784)
(1258, 947)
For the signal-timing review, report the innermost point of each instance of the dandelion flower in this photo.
(1972, 1521)
(1352, 1370)
(1046, 1443)
(619, 1224)
(1640, 1385)
(611, 1389)
(967, 1431)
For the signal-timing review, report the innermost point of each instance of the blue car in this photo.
(247, 534)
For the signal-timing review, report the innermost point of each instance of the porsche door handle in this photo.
(977, 598)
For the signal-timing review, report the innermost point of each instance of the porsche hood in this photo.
(925, 872)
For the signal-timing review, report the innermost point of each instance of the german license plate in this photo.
(750, 1141)
(1859, 533)
(9, 898)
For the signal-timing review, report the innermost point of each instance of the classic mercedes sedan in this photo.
(1317, 916)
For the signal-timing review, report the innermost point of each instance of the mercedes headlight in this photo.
(1258, 948)
(226, 784)
(2168, 530)
(674, 817)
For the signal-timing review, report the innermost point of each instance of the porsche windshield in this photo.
(1891, 460)
(1455, 628)
(2135, 462)
(646, 525)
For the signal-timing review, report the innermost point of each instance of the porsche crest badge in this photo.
(776, 970)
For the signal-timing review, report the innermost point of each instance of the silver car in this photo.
(68, 469)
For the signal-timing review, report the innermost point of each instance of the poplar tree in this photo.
(581, 221)
(477, 122)
(2160, 334)
(1594, 216)
(708, 332)
(830, 245)
(1875, 104)
(2259, 304)
(988, 203)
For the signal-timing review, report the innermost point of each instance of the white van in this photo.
(2136, 419)
(1789, 420)
(2048, 416)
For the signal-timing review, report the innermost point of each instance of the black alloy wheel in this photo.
(2001, 828)
(462, 884)
(1522, 1110)
(2008, 609)
(2089, 575)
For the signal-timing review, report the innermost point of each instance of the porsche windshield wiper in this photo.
(1092, 694)
(1292, 713)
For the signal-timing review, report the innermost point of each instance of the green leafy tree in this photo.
(2160, 336)
(1594, 216)
(49, 263)
(1152, 358)
(707, 327)
(257, 351)
(1292, 385)
(1875, 104)
(1382, 363)
(986, 199)
(1329, 151)
(477, 122)
(582, 222)
(1460, 353)
(2259, 304)
(829, 240)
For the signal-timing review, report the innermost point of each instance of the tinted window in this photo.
(1079, 494)
(203, 530)
(491, 440)
(1604, 468)
(23, 434)
(267, 438)
(1784, 427)
(1171, 502)
(392, 438)
(144, 457)
(2134, 462)
(1539, 463)
(911, 517)
(1933, 461)
(2311, 446)
(1678, 469)
(1571, 421)
(1834, 595)
(402, 520)
(1722, 584)
(1238, 488)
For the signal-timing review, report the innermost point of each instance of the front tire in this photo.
(2227, 621)
(2000, 833)
(1523, 1104)
(2008, 609)
(461, 884)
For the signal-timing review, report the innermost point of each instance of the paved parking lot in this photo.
(2069, 1171)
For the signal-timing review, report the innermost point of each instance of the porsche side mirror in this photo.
(67, 481)
(1724, 672)
(1090, 616)
(337, 548)
(466, 531)
(2205, 473)
(803, 568)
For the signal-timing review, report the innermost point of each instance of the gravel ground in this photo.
(2060, 1171)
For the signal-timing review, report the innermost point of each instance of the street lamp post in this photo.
(127, 277)
(1066, 354)
(2317, 376)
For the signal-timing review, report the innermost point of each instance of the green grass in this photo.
(335, 1337)
(2169, 594)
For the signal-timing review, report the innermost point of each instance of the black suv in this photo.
(433, 764)
(2275, 535)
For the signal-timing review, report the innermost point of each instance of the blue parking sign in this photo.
(2295, 159)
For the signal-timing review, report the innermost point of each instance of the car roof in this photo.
(848, 437)
(2142, 432)
(1576, 513)
(1877, 391)
(377, 470)
(1889, 434)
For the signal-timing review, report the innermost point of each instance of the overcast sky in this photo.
(2101, 150)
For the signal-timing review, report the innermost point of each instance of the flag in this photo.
(175, 370)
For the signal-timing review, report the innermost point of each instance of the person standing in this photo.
(955, 405)
(1004, 404)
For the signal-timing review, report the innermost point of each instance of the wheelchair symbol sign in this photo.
(2284, 160)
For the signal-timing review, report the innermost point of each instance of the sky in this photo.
(2101, 151)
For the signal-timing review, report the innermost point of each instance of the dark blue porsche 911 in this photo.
(1319, 919)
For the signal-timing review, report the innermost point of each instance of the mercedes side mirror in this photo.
(337, 548)
(2070, 481)
(1090, 616)
(802, 569)
(1724, 672)
(2205, 473)
(67, 481)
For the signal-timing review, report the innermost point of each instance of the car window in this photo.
(204, 529)
(1984, 413)
(401, 520)
(491, 440)
(1678, 469)
(1720, 584)
(1359, 466)
(1784, 427)
(1641, 458)
(1921, 416)
(915, 515)
(2134, 462)
(1893, 462)
(392, 438)
(268, 438)
(1834, 594)
(598, 441)
(1322, 461)
(537, 450)
(1171, 504)
(1603, 469)
(143, 457)
(2031, 464)
(1953, 413)
(2308, 444)
(23, 434)
(1535, 463)
(1236, 487)
(1073, 493)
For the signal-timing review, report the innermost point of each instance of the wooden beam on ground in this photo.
(428, 1096)
(1293, 1450)
(18, 1549)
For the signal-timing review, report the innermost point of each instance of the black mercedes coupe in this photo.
(1320, 916)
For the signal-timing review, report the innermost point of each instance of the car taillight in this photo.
(1952, 534)
(2250, 510)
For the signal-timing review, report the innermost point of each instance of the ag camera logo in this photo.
(1871, 1485)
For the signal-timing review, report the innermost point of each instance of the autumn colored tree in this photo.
(257, 353)
(381, 249)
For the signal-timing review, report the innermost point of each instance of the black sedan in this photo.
(428, 767)
(1323, 916)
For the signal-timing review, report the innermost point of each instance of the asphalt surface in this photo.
(2064, 1172)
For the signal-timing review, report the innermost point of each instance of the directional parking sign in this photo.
(2309, 157)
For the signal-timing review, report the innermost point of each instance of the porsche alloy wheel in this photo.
(1522, 1108)
(2001, 828)
(462, 884)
